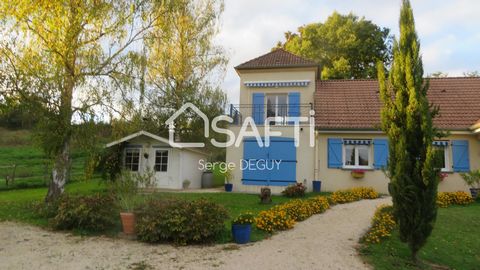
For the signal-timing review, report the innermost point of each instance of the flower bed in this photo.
(383, 224)
(284, 216)
(445, 199)
(353, 194)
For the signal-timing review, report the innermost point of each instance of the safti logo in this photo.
(248, 129)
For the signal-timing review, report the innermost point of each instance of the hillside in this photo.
(32, 168)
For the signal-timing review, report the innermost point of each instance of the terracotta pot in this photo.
(128, 223)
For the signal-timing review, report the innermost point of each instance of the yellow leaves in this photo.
(445, 199)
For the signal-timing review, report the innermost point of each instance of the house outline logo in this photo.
(236, 139)
(171, 126)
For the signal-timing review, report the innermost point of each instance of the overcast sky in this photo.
(449, 30)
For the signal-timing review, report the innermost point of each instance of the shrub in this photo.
(382, 226)
(274, 220)
(95, 213)
(293, 191)
(445, 199)
(284, 216)
(245, 218)
(319, 204)
(180, 221)
(353, 194)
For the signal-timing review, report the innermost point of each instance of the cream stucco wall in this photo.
(305, 153)
(335, 179)
(306, 92)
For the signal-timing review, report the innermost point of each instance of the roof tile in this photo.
(278, 58)
(355, 104)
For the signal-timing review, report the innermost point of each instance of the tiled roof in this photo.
(355, 104)
(278, 58)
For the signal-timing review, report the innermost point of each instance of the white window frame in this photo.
(356, 166)
(276, 95)
(139, 158)
(446, 151)
(155, 159)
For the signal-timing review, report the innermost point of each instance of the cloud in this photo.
(448, 30)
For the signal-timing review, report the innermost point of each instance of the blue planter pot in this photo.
(228, 187)
(317, 186)
(241, 233)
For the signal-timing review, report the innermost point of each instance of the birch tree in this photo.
(65, 59)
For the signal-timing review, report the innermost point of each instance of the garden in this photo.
(453, 244)
(92, 208)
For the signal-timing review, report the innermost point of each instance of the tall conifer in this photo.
(407, 120)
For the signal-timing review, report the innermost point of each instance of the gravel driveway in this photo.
(325, 241)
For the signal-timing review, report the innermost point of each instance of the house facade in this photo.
(345, 136)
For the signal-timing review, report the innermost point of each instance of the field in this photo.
(32, 168)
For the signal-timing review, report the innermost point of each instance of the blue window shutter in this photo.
(380, 153)
(460, 153)
(294, 104)
(258, 111)
(335, 153)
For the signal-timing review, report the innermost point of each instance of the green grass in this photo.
(33, 169)
(18, 205)
(455, 243)
(236, 203)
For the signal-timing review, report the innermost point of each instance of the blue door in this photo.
(275, 165)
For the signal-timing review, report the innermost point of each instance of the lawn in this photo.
(455, 243)
(33, 169)
(17, 205)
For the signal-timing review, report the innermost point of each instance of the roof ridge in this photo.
(283, 58)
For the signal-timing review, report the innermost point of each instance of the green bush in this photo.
(294, 191)
(94, 213)
(180, 221)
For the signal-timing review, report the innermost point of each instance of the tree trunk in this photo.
(60, 172)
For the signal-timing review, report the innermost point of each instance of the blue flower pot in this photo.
(317, 186)
(228, 187)
(241, 233)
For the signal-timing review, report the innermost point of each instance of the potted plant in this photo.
(242, 227)
(186, 184)
(472, 179)
(228, 175)
(125, 190)
(358, 174)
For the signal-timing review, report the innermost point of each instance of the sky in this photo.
(449, 30)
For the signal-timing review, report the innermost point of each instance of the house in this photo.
(144, 152)
(346, 133)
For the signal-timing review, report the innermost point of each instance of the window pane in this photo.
(161, 160)
(271, 106)
(349, 155)
(282, 105)
(164, 167)
(362, 156)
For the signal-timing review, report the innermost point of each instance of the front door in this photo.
(160, 167)
(274, 165)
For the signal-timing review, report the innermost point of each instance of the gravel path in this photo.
(325, 241)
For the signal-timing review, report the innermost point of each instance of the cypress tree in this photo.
(407, 120)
